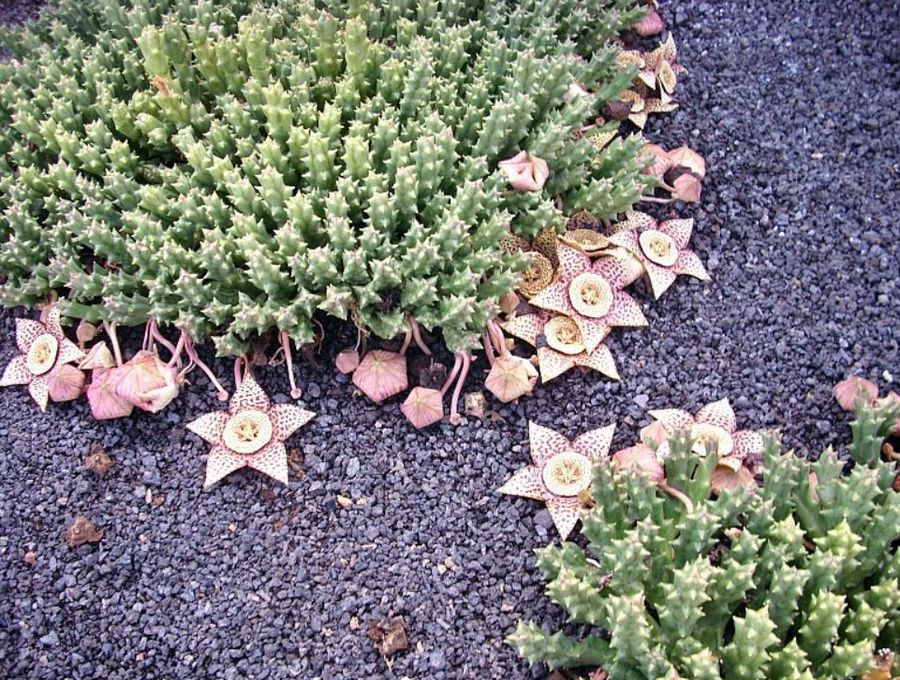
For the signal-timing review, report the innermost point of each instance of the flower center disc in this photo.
(42, 354)
(586, 239)
(567, 474)
(538, 275)
(563, 335)
(247, 431)
(658, 247)
(591, 295)
(706, 435)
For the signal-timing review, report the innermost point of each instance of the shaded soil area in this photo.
(793, 105)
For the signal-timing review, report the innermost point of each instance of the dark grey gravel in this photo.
(794, 105)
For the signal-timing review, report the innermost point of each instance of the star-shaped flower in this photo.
(662, 250)
(562, 470)
(714, 423)
(559, 345)
(591, 294)
(44, 349)
(525, 172)
(250, 433)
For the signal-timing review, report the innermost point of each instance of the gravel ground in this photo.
(792, 104)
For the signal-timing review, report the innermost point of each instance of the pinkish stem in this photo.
(289, 361)
(222, 393)
(145, 345)
(238, 377)
(178, 351)
(457, 364)
(406, 341)
(417, 336)
(499, 341)
(654, 199)
(455, 418)
(158, 337)
(110, 329)
(488, 347)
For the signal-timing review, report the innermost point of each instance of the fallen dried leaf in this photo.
(97, 461)
(853, 389)
(30, 558)
(82, 531)
(389, 636)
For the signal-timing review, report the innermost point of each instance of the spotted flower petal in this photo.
(27, 331)
(16, 372)
(673, 419)
(525, 483)
(271, 460)
(248, 396)
(39, 391)
(209, 426)
(287, 419)
(718, 413)
(595, 443)
(221, 463)
(565, 513)
(544, 442)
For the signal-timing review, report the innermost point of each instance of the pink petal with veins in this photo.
(423, 407)
(690, 159)
(687, 188)
(650, 24)
(347, 361)
(101, 394)
(99, 356)
(854, 388)
(525, 172)
(65, 383)
(381, 375)
(640, 459)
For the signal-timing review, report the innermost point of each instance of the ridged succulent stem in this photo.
(455, 418)
(457, 364)
(222, 393)
(289, 362)
(488, 348)
(110, 329)
(417, 336)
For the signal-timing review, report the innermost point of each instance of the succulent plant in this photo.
(798, 578)
(232, 167)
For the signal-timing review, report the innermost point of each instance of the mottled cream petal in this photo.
(601, 360)
(673, 419)
(209, 426)
(271, 460)
(287, 419)
(249, 395)
(39, 391)
(544, 442)
(660, 277)
(554, 297)
(526, 483)
(565, 513)
(689, 263)
(27, 331)
(221, 463)
(718, 413)
(16, 372)
(552, 363)
(679, 230)
(595, 443)
(526, 327)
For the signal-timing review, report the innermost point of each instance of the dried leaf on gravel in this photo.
(30, 558)
(389, 636)
(82, 531)
(97, 461)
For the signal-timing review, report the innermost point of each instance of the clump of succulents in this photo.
(231, 169)
(798, 577)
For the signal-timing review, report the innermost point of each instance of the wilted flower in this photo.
(511, 377)
(381, 374)
(650, 24)
(251, 433)
(147, 382)
(562, 347)
(662, 251)
(561, 471)
(101, 394)
(714, 425)
(591, 294)
(525, 172)
(44, 348)
(347, 361)
(854, 390)
(65, 383)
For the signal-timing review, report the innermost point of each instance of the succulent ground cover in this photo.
(231, 172)
(797, 576)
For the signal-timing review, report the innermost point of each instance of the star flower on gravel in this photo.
(561, 471)
(662, 251)
(716, 424)
(591, 294)
(250, 433)
(559, 345)
(44, 351)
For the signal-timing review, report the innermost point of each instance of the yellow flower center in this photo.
(591, 295)
(658, 247)
(42, 354)
(567, 474)
(563, 335)
(707, 436)
(248, 431)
